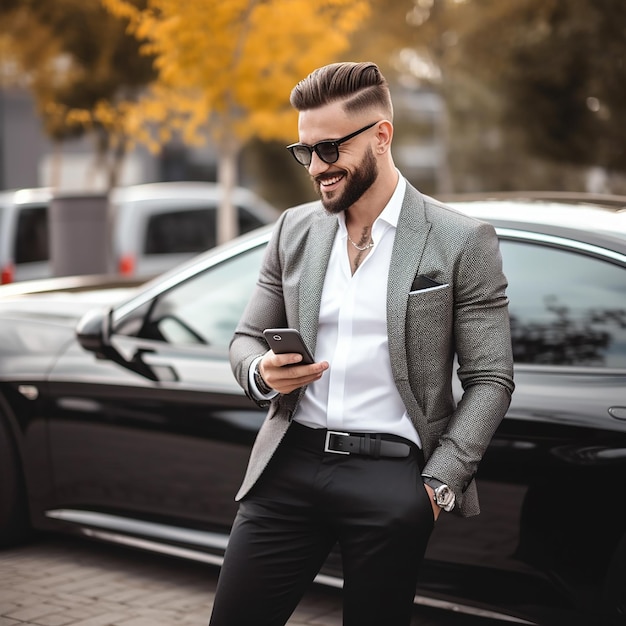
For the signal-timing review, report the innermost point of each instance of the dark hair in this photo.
(360, 85)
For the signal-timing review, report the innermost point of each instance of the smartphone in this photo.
(287, 340)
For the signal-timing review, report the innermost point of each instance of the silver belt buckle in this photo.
(327, 442)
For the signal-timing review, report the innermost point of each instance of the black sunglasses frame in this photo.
(335, 143)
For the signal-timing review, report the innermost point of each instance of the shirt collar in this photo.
(391, 212)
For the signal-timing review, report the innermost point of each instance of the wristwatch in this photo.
(260, 383)
(443, 496)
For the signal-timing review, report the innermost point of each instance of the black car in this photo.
(128, 426)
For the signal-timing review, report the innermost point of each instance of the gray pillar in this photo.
(80, 234)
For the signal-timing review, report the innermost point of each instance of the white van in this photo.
(24, 234)
(159, 225)
(156, 226)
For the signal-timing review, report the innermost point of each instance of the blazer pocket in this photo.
(440, 293)
(429, 309)
(427, 289)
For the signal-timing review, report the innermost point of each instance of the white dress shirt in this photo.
(357, 393)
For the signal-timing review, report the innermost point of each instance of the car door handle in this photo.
(618, 412)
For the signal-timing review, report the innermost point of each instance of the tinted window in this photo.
(181, 231)
(206, 308)
(566, 308)
(31, 238)
(193, 230)
(247, 221)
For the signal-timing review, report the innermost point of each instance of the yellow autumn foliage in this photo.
(226, 67)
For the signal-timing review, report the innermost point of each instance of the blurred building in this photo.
(420, 138)
(28, 158)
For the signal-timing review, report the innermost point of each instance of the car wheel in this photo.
(14, 525)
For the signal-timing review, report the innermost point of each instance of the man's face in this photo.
(344, 182)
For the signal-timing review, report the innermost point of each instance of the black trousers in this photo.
(377, 510)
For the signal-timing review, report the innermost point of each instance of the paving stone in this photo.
(32, 612)
(145, 621)
(8, 607)
(58, 619)
(62, 581)
(106, 619)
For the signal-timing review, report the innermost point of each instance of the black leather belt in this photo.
(366, 444)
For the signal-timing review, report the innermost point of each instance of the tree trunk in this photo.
(99, 163)
(116, 162)
(227, 222)
(55, 167)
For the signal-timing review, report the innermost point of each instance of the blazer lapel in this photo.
(316, 255)
(408, 248)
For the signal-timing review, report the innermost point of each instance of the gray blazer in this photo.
(468, 317)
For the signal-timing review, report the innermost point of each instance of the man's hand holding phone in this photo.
(289, 364)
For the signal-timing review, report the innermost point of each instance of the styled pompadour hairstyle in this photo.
(360, 85)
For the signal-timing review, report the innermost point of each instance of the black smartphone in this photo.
(287, 340)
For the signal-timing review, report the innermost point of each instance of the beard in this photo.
(363, 177)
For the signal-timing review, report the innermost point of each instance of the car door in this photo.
(562, 445)
(162, 432)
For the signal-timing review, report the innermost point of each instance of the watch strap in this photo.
(432, 482)
(443, 495)
(263, 388)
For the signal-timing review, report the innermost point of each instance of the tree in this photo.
(551, 72)
(225, 70)
(566, 81)
(78, 62)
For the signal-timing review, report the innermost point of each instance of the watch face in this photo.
(445, 496)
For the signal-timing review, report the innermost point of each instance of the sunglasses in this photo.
(327, 150)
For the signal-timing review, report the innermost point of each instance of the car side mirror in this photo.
(93, 334)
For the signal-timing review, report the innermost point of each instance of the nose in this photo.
(317, 166)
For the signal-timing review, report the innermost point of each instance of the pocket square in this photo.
(423, 282)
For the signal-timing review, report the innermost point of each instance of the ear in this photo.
(384, 135)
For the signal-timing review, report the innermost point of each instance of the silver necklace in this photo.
(361, 248)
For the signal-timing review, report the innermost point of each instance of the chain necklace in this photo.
(361, 248)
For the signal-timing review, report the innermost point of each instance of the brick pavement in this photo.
(69, 582)
(66, 581)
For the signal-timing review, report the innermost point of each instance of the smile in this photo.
(327, 182)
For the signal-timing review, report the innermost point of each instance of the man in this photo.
(365, 447)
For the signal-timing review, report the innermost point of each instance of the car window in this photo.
(181, 231)
(206, 308)
(193, 230)
(566, 308)
(31, 238)
(247, 220)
